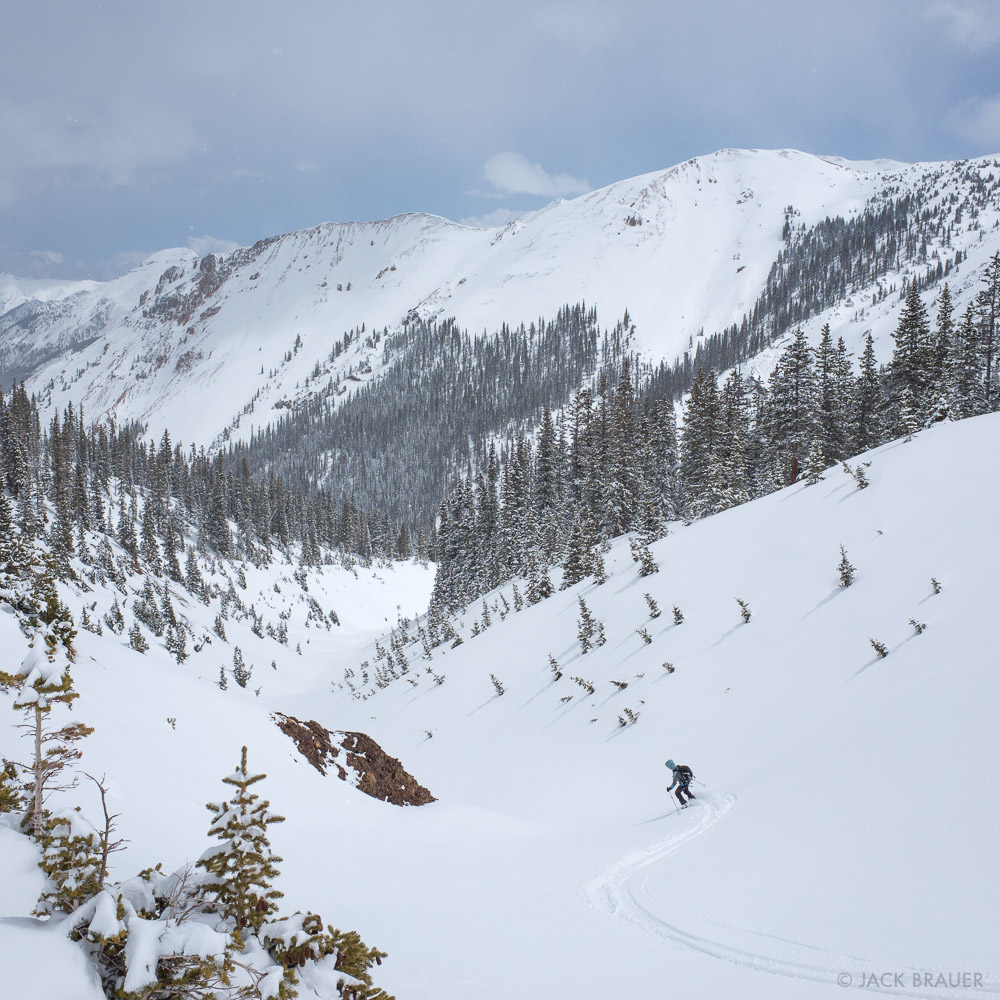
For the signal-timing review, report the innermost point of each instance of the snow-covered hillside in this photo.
(202, 346)
(845, 827)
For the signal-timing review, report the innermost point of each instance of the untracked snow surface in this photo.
(846, 827)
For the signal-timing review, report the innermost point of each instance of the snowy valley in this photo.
(736, 511)
(846, 824)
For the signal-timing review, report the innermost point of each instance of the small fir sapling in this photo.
(935, 585)
(585, 626)
(845, 569)
(565, 698)
(241, 672)
(630, 717)
(598, 570)
(654, 608)
(644, 635)
(918, 627)
(669, 667)
(880, 648)
(497, 684)
(744, 609)
(678, 615)
(114, 619)
(643, 556)
(223, 680)
(858, 473)
(136, 639)
(11, 799)
(554, 667)
(621, 685)
(586, 685)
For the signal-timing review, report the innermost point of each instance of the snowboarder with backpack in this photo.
(683, 776)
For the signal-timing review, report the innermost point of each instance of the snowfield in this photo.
(845, 830)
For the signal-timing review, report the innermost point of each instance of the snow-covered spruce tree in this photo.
(576, 564)
(678, 615)
(72, 852)
(43, 681)
(654, 608)
(880, 648)
(793, 420)
(241, 672)
(815, 464)
(845, 569)
(599, 637)
(240, 871)
(136, 639)
(585, 626)
(597, 568)
(114, 618)
(744, 609)
(11, 798)
(643, 556)
(910, 375)
(554, 667)
(497, 684)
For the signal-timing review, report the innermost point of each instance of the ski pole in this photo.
(671, 797)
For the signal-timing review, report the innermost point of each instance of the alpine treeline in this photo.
(613, 461)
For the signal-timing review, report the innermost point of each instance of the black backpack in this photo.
(684, 774)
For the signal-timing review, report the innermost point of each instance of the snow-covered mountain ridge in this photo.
(225, 344)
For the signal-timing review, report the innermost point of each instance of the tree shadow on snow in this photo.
(725, 635)
(879, 659)
(826, 600)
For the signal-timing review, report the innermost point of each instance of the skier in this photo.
(683, 777)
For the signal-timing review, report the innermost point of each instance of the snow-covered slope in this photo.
(198, 346)
(847, 822)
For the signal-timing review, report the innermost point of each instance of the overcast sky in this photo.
(127, 127)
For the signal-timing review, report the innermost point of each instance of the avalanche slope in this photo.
(848, 828)
(686, 250)
(847, 825)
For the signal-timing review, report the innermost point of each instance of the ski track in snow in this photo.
(619, 890)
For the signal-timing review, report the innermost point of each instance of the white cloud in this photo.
(47, 256)
(973, 23)
(307, 166)
(203, 245)
(512, 173)
(491, 220)
(978, 120)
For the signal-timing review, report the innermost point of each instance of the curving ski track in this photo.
(619, 890)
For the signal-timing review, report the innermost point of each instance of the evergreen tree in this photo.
(585, 626)
(910, 372)
(867, 426)
(241, 870)
(43, 681)
(793, 420)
